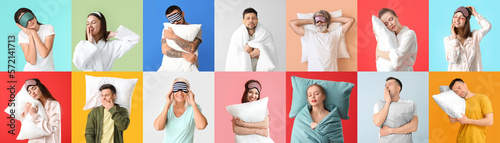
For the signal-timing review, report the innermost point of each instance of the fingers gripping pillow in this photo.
(342, 50)
(28, 128)
(386, 41)
(451, 103)
(124, 91)
(250, 112)
(188, 33)
(337, 93)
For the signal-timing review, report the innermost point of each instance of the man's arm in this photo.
(486, 121)
(89, 129)
(346, 23)
(296, 25)
(188, 46)
(407, 128)
(379, 118)
(120, 117)
(170, 52)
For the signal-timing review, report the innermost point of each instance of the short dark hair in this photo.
(454, 81)
(397, 81)
(385, 10)
(249, 10)
(172, 9)
(21, 11)
(108, 86)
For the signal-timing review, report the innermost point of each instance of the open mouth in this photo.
(313, 101)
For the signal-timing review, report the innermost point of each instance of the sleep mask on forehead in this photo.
(29, 83)
(180, 86)
(174, 17)
(464, 11)
(27, 16)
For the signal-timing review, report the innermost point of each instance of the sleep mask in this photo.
(27, 16)
(318, 19)
(465, 11)
(174, 17)
(180, 86)
(29, 83)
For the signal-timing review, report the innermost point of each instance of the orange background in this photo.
(79, 116)
(294, 48)
(487, 83)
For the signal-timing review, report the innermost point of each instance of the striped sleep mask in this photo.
(174, 17)
(180, 86)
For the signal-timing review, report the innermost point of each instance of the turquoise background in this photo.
(440, 16)
(54, 12)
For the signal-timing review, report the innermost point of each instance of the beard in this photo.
(321, 27)
(248, 28)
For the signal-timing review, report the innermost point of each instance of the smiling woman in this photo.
(36, 40)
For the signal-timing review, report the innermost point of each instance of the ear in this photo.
(114, 96)
(182, 13)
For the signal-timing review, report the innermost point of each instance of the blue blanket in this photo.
(328, 130)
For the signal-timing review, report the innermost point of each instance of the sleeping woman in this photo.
(317, 122)
(252, 93)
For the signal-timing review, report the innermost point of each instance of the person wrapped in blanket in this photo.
(396, 117)
(317, 122)
(240, 127)
(52, 108)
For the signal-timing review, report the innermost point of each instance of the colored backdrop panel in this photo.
(441, 13)
(58, 84)
(371, 85)
(156, 87)
(134, 131)
(349, 126)
(53, 12)
(294, 48)
(229, 90)
(487, 83)
(196, 12)
(127, 13)
(413, 14)
(229, 16)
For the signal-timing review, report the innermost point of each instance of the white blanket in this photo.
(186, 32)
(239, 60)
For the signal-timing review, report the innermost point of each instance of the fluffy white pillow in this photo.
(186, 32)
(444, 88)
(341, 51)
(386, 41)
(250, 112)
(124, 91)
(451, 103)
(28, 128)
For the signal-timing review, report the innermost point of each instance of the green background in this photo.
(117, 12)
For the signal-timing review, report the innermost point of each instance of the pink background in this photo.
(229, 88)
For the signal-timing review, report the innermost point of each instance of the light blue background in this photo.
(440, 16)
(196, 12)
(371, 88)
(54, 12)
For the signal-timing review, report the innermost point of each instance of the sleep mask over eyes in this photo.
(180, 86)
(174, 17)
(27, 16)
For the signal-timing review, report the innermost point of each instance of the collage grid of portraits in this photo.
(248, 71)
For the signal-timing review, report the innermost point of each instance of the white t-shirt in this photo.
(323, 52)
(42, 64)
(376, 108)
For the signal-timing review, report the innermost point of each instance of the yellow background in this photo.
(487, 83)
(79, 116)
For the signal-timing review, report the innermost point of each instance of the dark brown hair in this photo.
(244, 99)
(454, 81)
(43, 89)
(466, 28)
(249, 10)
(108, 86)
(21, 11)
(385, 10)
(397, 81)
(103, 31)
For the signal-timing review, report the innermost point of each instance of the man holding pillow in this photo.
(478, 114)
(106, 123)
(175, 15)
(322, 55)
(393, 87)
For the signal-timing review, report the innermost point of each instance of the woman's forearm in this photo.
(161, 120)
(199, 118)
(258, 125)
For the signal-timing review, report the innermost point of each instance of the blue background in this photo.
(440, 16)
(53, 12)
(196, 12)
(371, 89)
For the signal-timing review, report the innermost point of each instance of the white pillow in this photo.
(341, 50)
(444, 88)
(250, 112)
(451, 103)
(186, 32)
(124, 91)
(386, 41)
(28, 128)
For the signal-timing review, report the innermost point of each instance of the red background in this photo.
(59, 85)
(349, 126)
(412, 13)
